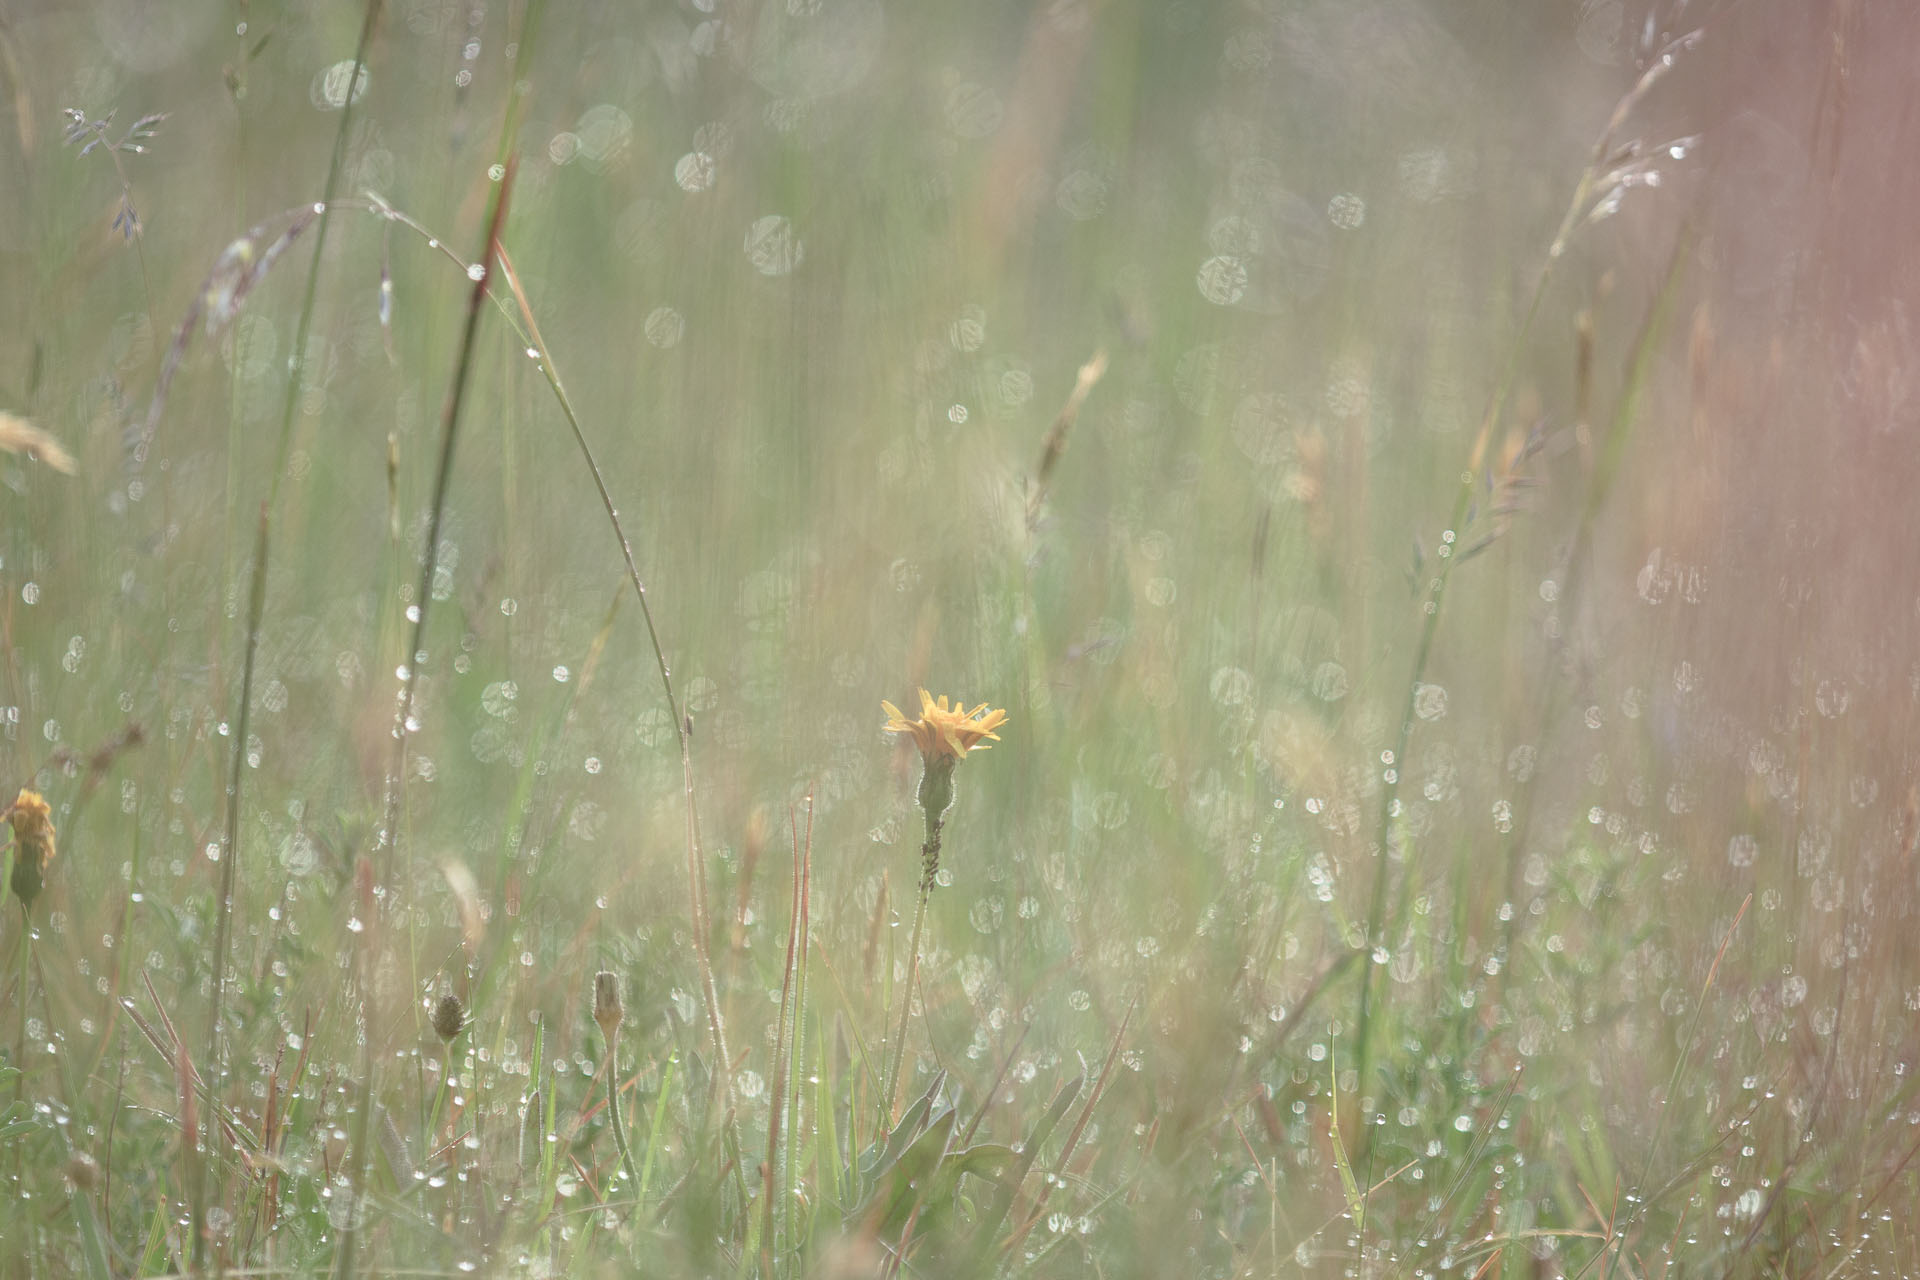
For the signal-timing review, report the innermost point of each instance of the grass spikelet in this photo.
(1055, 445)
(17, 435)
(235, 274)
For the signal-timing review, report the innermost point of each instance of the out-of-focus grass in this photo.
(818, 279)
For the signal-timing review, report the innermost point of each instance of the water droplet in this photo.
(1222, 280)
(772, 246)
(694, 171)
(334, 86)
(1347, 211)
(665, 327)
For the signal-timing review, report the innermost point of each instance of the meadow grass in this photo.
(1455, 807)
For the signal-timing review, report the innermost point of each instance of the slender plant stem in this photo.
(297, 362)
(26, 964)
(613, 1112)
(796, 1056)
(431, 1134)
(897, 1053)
(782, 1058)
(1572, 579)
(229, 869)
(396, 781)
(1590, 180)
(696, 881)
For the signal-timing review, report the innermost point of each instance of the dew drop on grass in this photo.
(772, 247)
(1330, 682)
(664, 328)
(973, 110)
(334, 86)
(694, 171)
(1832, 699)
(497, 699)
(1231, 686)
(1222, 280)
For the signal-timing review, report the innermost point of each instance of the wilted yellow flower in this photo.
(32, 819)
(945, 732)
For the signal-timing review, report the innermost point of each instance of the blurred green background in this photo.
(818, 277)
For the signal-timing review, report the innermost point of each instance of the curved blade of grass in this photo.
(1356, 1203)
(696, 880)
(996, 1216)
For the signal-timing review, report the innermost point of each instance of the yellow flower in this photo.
(945, 732)
(32, 819)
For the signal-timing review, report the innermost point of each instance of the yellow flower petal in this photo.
(946, 728)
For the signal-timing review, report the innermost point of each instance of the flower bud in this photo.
(449, 1016)
(608, 1010)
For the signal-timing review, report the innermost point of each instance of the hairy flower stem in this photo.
(936, 798)
(614, 1117)
(26, 964)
